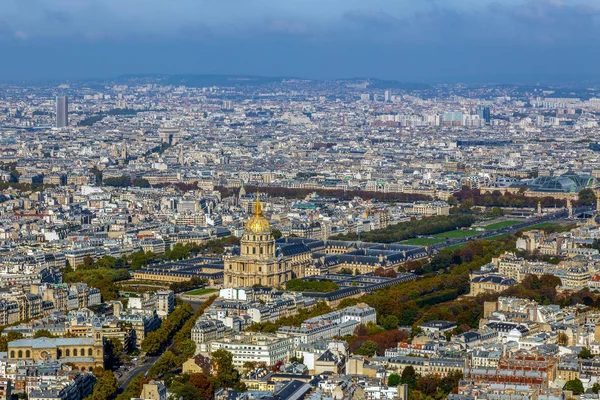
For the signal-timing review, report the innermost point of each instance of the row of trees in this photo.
(193, 283)
(182, 348)
(412, 229)
(497, 199)
(156, 341)
(106, 385)
(297, 193)
(126, 181)
(194, 386)
(419, 296)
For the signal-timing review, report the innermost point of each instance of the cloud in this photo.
(287, 27)
(22, 35)
(369, 19)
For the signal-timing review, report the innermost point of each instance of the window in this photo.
(12, 354)
(82, 353)
(68, 353)
(90, 352)
(27, 353)
(74, 352)
(20, 354)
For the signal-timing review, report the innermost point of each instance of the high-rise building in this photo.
(453, 118)
(388, 96)
(62, 111)
(484, 114)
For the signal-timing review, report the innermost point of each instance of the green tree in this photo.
(596, 387)
(393, 380)
(3, 343)
(43, 333)
(367, 348)
(563, 339)
(585, 353)
(12, 335)
(165, 363)
(390, 322)
(450, 381)
(587, 197)
(106, 385)
(496, 212)
(276, 233)
(466, 206)
(409, 377)
(187, 349)
(112, 351)
(227, 374)
(106, 262)
(88, 262)
(152, 343)
(184, 391)
(134, 389)
(575, 386)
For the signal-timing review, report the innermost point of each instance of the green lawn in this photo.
(457, 246)
(422, 241)
(455, 234)
(500, 225)
(543, 225)
(200, 292)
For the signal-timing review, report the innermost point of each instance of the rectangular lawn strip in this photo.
(501, 224)
(422, 241)
(200, 292)
(455, 234)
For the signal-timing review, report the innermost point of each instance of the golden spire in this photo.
(257, 206)
(258, 223)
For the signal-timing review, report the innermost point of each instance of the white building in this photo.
(256, 347)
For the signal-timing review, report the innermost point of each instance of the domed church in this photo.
(260, 261)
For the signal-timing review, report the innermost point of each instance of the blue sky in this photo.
(418, 40)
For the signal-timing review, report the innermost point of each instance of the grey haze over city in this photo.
(428, 41)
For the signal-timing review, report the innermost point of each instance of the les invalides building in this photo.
(260, 262)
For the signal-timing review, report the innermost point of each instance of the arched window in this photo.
(12, 354)
(82, 353)
(20, 354)
(68, 353)
(27, 354)
(74, 352)
(90, 352)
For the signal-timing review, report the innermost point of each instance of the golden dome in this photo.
(258, 223)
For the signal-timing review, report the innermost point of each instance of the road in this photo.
(563, 214)
(137, 367)
(133, 371)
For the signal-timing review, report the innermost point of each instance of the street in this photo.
(126, 373)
